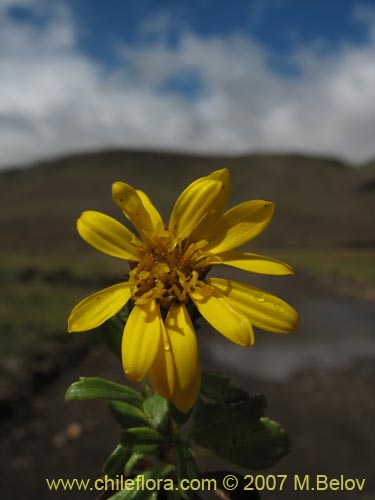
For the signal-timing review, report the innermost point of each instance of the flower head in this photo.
(168, 271)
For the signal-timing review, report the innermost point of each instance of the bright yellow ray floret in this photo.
(168, 269)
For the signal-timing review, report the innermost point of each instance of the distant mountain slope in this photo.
(319, 201)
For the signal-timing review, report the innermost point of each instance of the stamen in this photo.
(169, 271)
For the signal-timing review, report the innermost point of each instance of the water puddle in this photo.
(333, 333)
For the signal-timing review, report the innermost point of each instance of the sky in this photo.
(206, 76)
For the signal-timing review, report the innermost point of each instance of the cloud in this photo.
(54, 99)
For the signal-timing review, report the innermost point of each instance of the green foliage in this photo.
(116, 461)
(234, 426)
(186, 464)
(127, 415)
(156, 409)
(136, 455)
(160, 471)
(217, 387)
(99, 388)
(141, 435)
(226, 420)
(124, 458)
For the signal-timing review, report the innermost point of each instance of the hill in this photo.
(320, 202)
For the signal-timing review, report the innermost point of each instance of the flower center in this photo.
(168, 271)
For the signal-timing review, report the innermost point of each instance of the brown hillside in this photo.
(319, 201)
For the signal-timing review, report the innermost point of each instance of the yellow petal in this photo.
(264, 310)
(222, 175)
(239, 225)
(157, 221)
(98, 307)
(255, 263)
(192, 205)
(140, 340)
(227, 320)
(217, 206)
(176, 373)
(162, 371)
(137, 208)
(107, 235)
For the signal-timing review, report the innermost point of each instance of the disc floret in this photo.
(168, 271)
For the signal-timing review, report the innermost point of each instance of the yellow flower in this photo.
(168, 271)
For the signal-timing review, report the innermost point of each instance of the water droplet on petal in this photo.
(259, 297)
(127, 372)
(166, 346)
(280, 307)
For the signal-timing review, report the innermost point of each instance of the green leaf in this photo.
(138, 451)
(134, 458)
(145, 449)
(127, 415)
(111, 334)
(99, 388)
(160, 471)
(213, 417)
(217, 387)
(236, 396)
(270, 443)
(239, 434)
(141, 435)
(186, 465)
(156, 409)
(116, 461)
